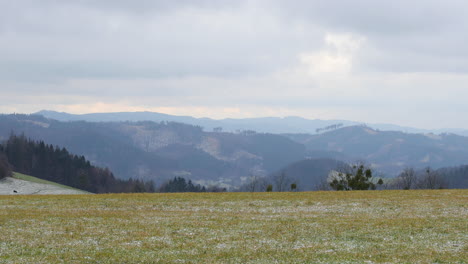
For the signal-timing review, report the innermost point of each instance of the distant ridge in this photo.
(389, 151)
(161, 151)
(276, 125)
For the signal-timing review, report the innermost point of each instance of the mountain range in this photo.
(387, 151)
(276, 125)
(163, 150)
(160, 151)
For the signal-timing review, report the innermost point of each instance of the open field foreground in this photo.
(310, 227)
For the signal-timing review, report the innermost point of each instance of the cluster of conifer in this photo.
(5, 167)
(179, 184)
(44, 161)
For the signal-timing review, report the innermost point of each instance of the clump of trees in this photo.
(180, 184)
(58, 165)
(407, 179)
(455, 177)
(354, 177)
(330, 127)
(279, 182)
(427, 179)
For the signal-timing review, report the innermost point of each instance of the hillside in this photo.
(388, 151)
(262, 125)
(56, 164)
(277, 125)
(21, 184)
(161, 151)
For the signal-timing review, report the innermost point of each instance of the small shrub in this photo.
(293, 186)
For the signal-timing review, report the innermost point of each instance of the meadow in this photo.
(28, 178)
(420, 226)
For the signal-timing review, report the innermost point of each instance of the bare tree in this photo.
(431, 180)
(407, 179)
(323, 185)
(253, 183)
(263, 183)
(281, 181)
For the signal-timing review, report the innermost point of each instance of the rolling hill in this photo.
(160, 151)
(388, 151)
(277, 125)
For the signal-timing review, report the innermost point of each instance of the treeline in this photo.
(357, 176)
(44, 161)
(180, 184)
(456, 177)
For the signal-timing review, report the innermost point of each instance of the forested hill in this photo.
(56, 164)
(389, 151)
(161, 151)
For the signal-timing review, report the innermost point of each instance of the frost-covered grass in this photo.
(25, 177)
(311, 227)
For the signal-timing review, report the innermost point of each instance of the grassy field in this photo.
(25, 177)
(310, 227)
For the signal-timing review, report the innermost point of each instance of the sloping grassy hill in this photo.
(25, 177)
(421, 226)
(25, 184)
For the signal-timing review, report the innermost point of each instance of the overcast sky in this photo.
(402, 62)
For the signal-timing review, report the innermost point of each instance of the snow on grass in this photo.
(319, 227)
(22, 184)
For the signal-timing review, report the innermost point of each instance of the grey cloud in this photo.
(404, 36)
(231, 53)
(155, 39)
(154, 6)
(379, 17)
(55, 40)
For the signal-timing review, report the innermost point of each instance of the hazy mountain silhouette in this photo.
(160, 151)
(389, 151)
(275, 125)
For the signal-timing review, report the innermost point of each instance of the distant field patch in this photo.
(311, 227)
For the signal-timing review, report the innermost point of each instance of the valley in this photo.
(159, 151)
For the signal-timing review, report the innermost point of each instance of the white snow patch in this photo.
(9, 185)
